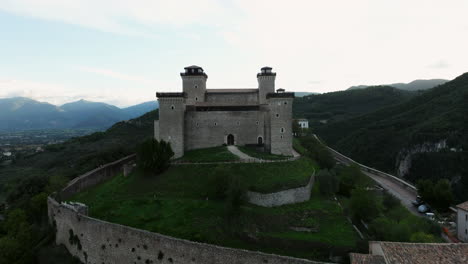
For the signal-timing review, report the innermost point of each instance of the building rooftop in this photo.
(419, 253)
(235, 90)
(357, 258)
(463, 206)
(159, 95)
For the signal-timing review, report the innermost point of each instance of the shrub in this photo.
(363, 205)
(328, 182)
(153, 156)
(316, 151)
(350, 177)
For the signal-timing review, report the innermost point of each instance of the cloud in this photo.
(136, 17)
(117, 75)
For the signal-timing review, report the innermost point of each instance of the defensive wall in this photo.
(290, 196)
(96, 241)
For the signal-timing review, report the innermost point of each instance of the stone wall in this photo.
(290, 196)
(239, 98)
(96, 241)
(171, 123)
(211, 128)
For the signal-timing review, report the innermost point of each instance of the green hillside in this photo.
(75, 156)
(343, 105)
(439, 114)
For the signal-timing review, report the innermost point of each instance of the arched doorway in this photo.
(230, 139)
(259, 141)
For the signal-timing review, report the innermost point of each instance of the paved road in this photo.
(404, 195)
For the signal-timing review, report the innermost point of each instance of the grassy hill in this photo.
(184, 202)
(343, 105)
(440, 114)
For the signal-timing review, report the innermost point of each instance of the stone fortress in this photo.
(199, 117)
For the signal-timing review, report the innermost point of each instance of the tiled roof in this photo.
(463, 206)
(366, 259)
(420, 253)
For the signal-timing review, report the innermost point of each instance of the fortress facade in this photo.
(199, 117)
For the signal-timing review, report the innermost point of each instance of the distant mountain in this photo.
(302, 94)
(21, 113)
(416, 85)
(424, 137)
(335, 106)
(140, 109)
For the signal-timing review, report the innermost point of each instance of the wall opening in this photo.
(230, 139)
(259, 141)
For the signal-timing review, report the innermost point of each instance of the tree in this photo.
(350, 177)
(297, 130)
(328, 182)
(317, 151)
(153, 156)
(363, 205)
(443, 196)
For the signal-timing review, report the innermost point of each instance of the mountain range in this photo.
(20, 113)
(416, 85)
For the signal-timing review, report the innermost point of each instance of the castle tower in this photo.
(194, 84)
(280, 117)
(266, 83)
(171, 121)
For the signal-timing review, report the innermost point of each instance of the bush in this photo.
(318, 152)
(350, 177)
(153, 156)
(328, 182)
(390, 201)
(363, 205)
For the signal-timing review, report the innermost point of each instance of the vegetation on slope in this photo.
(343, 105)
(439, 114)
(183, 202)
(25, 236)
(252, 152)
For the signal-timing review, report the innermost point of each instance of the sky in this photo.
(122, 52)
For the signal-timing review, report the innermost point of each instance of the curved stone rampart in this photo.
(290, 196)
(96, 241)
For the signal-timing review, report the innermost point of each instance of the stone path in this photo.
(234, 150)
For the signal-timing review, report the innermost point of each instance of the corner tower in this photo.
(266, 84)
(171, 121)
(194, 84)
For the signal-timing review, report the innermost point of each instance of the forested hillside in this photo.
(336, 106)
(425, 137)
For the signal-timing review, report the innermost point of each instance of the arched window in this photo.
(282, 130)
(285, 102)
(260, 141)
(196, 98)
(215, 123)
(196, 86)
(277, 115)
(172, 107)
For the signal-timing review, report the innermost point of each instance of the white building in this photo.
(462, 221)
(303, 123)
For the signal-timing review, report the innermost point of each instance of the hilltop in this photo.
(416, 85)
(336, 106)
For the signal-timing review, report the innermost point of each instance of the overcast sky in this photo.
(122, 52)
